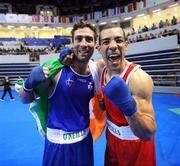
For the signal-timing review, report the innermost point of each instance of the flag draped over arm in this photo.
(40, 106)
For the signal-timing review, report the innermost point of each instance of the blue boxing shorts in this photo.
(79, 153)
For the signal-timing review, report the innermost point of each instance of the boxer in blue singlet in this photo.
(68, 140)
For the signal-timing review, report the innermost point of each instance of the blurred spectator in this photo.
(129, 41)
(154, 26)
(133, 31)
(145, 29)
(128, 34)
(152, 36)
(139, 29)
(174, 21)
(160, 34)
(7, 88)
(141, 38)
(167, 23)
(165, 33)
(161, 24)
(146, 37)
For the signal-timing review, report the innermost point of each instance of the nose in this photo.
(113, 45)
(83, 42)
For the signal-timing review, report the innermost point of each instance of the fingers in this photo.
(68, 59)
(46, 71)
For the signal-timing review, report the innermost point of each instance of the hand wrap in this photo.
(35, 77)
(64, 53)
(118, 93)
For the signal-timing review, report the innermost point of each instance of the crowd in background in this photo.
(133, 36)
(32, 52)
(137, 34)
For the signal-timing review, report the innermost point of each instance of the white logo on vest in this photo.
(69, 82)
(90, 86)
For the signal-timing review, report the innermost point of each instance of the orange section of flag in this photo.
(98, 122)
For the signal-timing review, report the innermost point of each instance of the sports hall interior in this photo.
(33, 33)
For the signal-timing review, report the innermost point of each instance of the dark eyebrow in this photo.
(83, 36)
(117, 37)
(105, 39)
(78, 36)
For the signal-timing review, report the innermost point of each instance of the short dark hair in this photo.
(84, 24)
(108, 26)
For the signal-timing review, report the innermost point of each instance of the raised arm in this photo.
(135, 101)
(37, 76)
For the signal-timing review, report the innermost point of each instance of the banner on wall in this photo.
(97, 15)
(35, 18)
(56, 19)
(118, 11)
(141, 5)
(75, 19)
(105, 13)
(137, 6)
(71, 19)
(51, 19)
(23, 18)
(145, 3)
(62, 19)
(67, 19)
(11, 18)
(92, 15)
(130, 7)
(41, 18)
(46, 19)
(2, 18)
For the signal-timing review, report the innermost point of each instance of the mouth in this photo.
(114, 57)
(83, 51)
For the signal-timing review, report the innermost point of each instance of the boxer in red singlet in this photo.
(127, 93)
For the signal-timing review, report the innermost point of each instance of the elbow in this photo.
(148, 135)
(145, 137)
(24, 101)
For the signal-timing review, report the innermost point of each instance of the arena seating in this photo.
(14, 70)
(163, 66)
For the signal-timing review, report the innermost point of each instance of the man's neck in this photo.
(118, 71)
(81, 68)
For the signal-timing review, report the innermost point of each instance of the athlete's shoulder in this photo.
(140, 81)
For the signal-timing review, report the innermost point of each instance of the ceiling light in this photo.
(173, 5)
(139, 15)
(34, 27)
(22, 27)
(127, 18)
(10, 26)
(157, 10)
(114, 21)
(103, 23)
(46, 27)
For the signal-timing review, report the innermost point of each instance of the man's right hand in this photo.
(36, 77)
(118, 93)
(66, 56)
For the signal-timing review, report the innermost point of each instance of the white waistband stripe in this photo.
(63, 137)
(123, 132)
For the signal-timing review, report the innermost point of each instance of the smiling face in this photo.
(113, 47)
(84, 43)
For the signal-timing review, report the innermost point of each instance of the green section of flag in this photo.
(175, 110)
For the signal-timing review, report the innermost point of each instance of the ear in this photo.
(97, 47)
(126, 45)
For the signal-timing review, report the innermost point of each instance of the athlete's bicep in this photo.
(141, 86)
